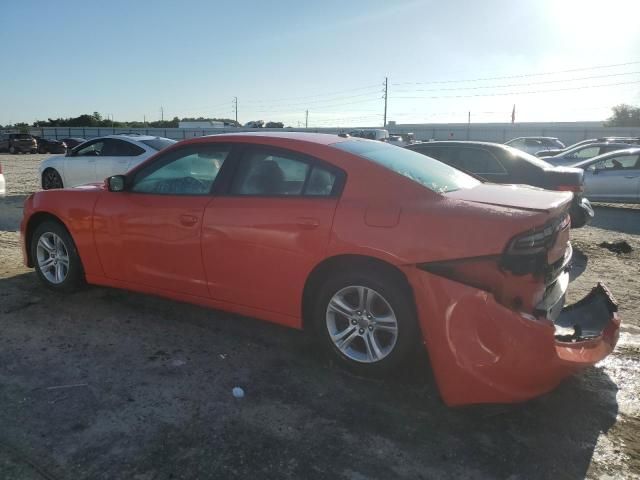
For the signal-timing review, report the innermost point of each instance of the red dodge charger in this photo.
(374, 248)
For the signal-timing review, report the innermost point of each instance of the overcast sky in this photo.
(280, 58)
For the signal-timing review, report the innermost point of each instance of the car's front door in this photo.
(264, 234)
(80, 165)
(614, 179)
(150, 234)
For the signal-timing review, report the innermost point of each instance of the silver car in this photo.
(612, 177)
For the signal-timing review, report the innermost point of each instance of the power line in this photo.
(321, 107)
(316, 95)
(520, 84)
(265, 105)
(523, 93)
(520, 76)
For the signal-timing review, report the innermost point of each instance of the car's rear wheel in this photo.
(42, 150)
(366, 320)
(55, 257)
(51, 179)
(12, 149)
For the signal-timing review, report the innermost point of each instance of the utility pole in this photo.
(469, 126)
(235, 107)
(386, 86)
(144, 122)
(161, 113)
(306, 119)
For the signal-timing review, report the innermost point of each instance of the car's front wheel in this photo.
(51, 179)
(55, 257)
(12, 149)
(366, 320)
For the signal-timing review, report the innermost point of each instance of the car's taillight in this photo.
(537, 240)
(570, 188)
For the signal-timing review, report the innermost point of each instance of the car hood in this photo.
(522, 197)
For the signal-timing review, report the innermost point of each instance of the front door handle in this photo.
(308, 222)
(188, 220)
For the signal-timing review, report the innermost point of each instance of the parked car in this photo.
(99, 158)
(373, 248)
(371, 134)
(73, 142)
(628, 140)
(48, 145)
(613, 177)
(3, 183)
(535, 144)
(401, 139)
(18, 143)
(583, 152)
(503, 164)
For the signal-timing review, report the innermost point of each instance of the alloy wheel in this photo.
(361, 324)
(51, 179)
(53, 257)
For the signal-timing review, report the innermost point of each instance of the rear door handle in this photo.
(308, 222)
(188, 220)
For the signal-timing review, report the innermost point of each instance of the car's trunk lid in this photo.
(522, 197)
(564, 178)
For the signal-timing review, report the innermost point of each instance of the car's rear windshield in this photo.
(158, 143)
(527, 157)
(22, 135)
(424, 170)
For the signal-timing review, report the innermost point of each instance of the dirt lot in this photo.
(110, 384)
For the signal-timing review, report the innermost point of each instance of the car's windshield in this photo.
(422, 169)
(158, 143)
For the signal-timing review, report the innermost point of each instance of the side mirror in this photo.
(116, 183)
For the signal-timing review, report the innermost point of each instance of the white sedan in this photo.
(99, 158)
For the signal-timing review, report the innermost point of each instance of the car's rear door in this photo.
(614, 179)
(150, 234)
(266, 231)
(117, 157)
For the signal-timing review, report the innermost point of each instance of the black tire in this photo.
(42, 150)
(74, 277)
(12, 149)
(397, 295)
(51, 179)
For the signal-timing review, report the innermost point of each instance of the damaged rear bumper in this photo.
(483, 352)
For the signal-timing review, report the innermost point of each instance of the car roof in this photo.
(534, 138)
(135, 138)
(459, 142)
(318, 138)
(604, 156)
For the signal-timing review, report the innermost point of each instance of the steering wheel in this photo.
(192, 185)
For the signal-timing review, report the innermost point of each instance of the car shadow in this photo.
(149, 394)
(11, 212)
(579, 262)
(617, 219)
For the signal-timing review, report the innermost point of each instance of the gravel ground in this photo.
(110, 384)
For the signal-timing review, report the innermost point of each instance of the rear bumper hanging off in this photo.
(483, 352)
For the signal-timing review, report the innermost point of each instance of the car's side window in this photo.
(262, 172)
(91, 149)
(120, 148)
(587, 152)
(478, 161)
(623, 162)
(188, 171)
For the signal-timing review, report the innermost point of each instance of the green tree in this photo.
(624, 116)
